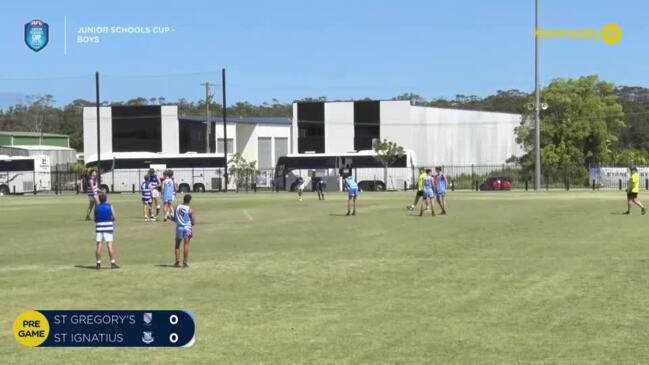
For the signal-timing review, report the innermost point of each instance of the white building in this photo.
(438, 136)
(154, 128)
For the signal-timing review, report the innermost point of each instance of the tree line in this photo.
(588, 121)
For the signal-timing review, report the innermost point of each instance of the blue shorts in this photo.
(428, 193)
(352, 192)
(168, 199)
(183, 232)
(146, 201)
(441, 192)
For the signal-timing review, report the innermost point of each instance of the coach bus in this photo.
(125, 171)
(363, 165)
(24, 174)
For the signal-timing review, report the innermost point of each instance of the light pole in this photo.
(537, 106)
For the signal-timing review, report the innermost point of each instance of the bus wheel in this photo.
(183, 188)
(199, 188)
(379, 186)
(104, 188)
(4, 190)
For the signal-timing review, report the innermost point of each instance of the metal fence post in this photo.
(526, 183)
(619, 181)
(593, 184)
(133, 188)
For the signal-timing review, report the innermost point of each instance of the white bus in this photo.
(125, 171)
(363, 165)
(24, 174)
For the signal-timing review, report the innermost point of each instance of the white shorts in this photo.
(104, 237)
(155, 193)
(301, 187)
(92, 198)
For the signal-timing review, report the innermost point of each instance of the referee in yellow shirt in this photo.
(420, 188)
(632, 190)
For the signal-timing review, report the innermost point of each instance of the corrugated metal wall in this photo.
(61, 158)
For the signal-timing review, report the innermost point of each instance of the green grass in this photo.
(505, 278)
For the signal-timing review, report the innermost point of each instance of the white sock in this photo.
(112, 261)
(99, 261)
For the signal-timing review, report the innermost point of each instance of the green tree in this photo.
(635, 101)
(387, 153)
(244, 171)
(580, 127)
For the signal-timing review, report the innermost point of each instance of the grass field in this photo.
(505, 278)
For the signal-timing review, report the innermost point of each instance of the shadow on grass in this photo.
(93, 267)
(168, 266)
(338, 215)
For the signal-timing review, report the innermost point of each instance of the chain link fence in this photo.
(66, 179)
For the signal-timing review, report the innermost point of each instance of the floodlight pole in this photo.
(537, 107)
(225, 129)
(98, 129)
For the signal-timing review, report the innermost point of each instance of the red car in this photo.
(496, 183)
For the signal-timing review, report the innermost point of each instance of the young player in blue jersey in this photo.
(441, 182)
(168, 194)
(154, 184)
(320, 188)
(428, 184)
(185, 220)
(146, 198)
(104, 218)
(92, 192)
(352, 193)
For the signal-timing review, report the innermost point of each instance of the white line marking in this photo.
(245, 212)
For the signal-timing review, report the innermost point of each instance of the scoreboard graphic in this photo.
(105, 328)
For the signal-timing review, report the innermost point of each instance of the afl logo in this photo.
(37, 34)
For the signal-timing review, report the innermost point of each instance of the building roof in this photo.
(30, 134)
(235, 119)
(406, 101)
(39, 147)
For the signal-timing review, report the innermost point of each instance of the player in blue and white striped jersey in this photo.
(104, 218)
(146, 198)
(154, 185)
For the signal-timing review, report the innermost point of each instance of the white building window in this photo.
(219, 145)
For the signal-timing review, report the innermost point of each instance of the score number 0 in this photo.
(173, 319)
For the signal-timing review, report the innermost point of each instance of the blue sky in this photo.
(292, 49)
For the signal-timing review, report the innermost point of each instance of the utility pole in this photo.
(208, 124)
(537, 107)
(98, 129)
(225, 130)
